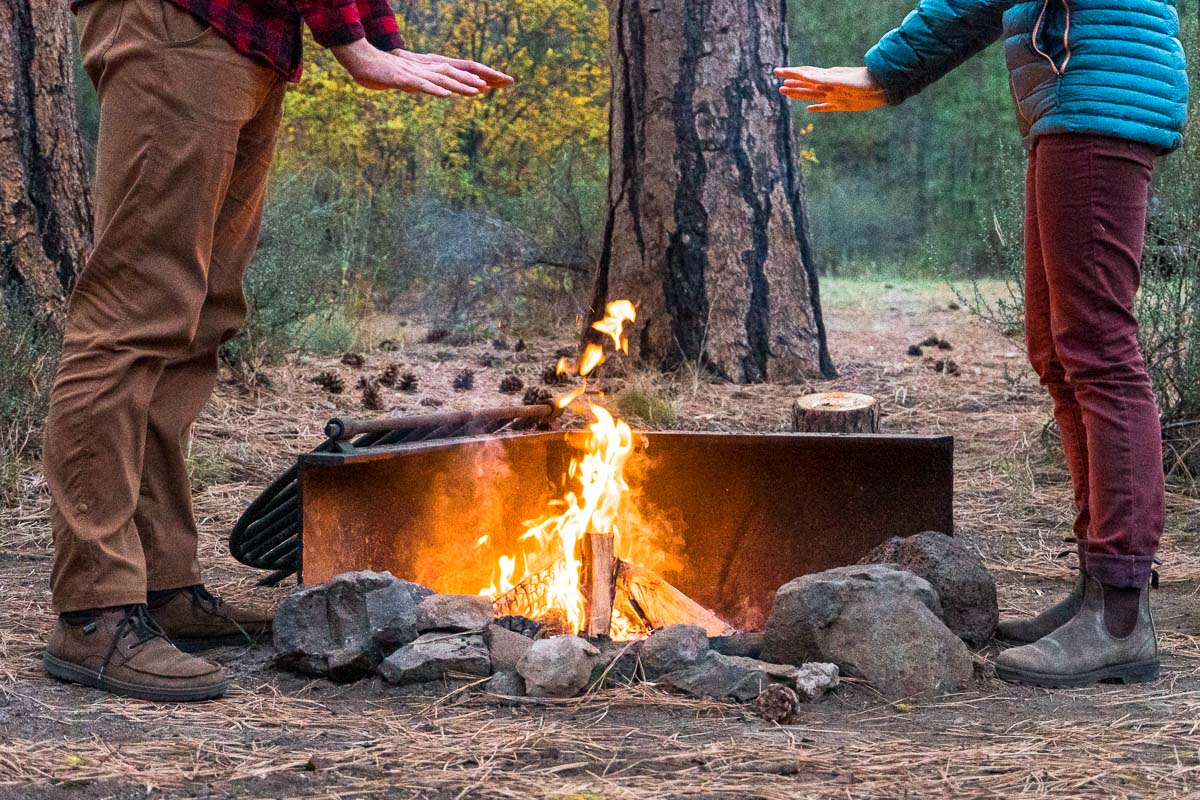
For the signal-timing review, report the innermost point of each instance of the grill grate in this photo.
(269, 533)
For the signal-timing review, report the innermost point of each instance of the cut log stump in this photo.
(836, 412)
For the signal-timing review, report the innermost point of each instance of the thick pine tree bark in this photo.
(45, 202)
(706, 227)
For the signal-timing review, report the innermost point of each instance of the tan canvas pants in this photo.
(187, 130)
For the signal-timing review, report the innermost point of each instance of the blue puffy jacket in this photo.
(1109, 67)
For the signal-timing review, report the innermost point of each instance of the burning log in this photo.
(836, 412)
(659, 604)
(598, 583)
(612, 588)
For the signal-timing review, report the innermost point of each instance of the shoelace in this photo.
(136, 619)
(202, 596)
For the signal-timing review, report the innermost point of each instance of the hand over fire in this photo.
(832, 89)
(417, 73)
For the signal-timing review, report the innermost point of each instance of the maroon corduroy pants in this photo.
(1085, 224)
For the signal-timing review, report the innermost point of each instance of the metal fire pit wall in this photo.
(739, 514)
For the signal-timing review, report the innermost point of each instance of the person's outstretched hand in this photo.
(832, 89)
(420, 73)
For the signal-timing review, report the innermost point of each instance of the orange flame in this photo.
(594, 505)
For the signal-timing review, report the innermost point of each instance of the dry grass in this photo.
(281, 736)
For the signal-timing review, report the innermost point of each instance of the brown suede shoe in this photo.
(1084, 652)
(1029, 630)
(195, 620)
(122, 651)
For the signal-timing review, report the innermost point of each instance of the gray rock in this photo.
(506, 647)
(814, 679)
(433, 655)
(728, 677)
(672, 648)
(343, 628)
(557, 667)
(454, 612)
(619, 663)
(506, 684)
(964, 587)
(874, 622)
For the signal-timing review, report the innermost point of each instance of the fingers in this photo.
(448, 82)
(802, 92)
(822, 108)
(494, 77)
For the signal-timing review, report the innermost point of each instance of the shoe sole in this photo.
(200, 644)
(1136, 672)
(73, 673)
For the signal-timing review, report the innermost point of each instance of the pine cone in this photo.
(778, 703)
(408, 382)
(390, 376)
(353, 360)
(371, 398)
(519, 347)
(536, 396)
(465, 380)
(437, 335)
(330, 382)
(430, 402)
(499, 344)
(511, 384)
(551, 376)
(489, 361)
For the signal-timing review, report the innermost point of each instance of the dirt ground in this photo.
(278, 735)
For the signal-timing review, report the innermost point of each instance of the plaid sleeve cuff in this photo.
(332, 22)
(379, 21)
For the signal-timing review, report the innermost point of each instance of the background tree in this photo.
(706, 227)
(45, 203)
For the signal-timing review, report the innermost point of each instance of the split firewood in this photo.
(599, 583)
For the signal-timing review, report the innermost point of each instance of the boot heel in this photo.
(1142, 672)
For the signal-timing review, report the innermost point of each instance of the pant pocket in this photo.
(179, 27)
(98, 23)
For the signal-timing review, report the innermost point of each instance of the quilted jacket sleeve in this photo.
(933, 39)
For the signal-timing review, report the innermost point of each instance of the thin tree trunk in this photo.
(706, 227)
(45, 202)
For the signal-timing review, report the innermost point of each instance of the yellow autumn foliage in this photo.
(463, 148)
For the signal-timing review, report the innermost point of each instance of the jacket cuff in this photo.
(896, 85)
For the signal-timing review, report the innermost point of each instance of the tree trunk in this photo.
(45, 202)
(706, 228)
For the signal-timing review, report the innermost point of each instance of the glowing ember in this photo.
(596, 503)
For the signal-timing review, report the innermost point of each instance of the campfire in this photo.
(581, 568)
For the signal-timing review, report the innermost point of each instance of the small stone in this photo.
(966, 590)
(619, 663)
(814, 679)
(672, 648)
(433, 655)
(778, 703)
(454, 612)
(506, 647)
(506, 684)
(557, 667)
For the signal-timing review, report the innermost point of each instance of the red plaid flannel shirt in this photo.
(269, 30)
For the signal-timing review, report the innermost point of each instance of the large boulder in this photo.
(964, 587)
(435, 655)
(454, 612)
(874, 622)
(557, 667)
(739, 678)
(343, 628)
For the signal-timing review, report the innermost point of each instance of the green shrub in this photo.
(314, 272)
(26, 375)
